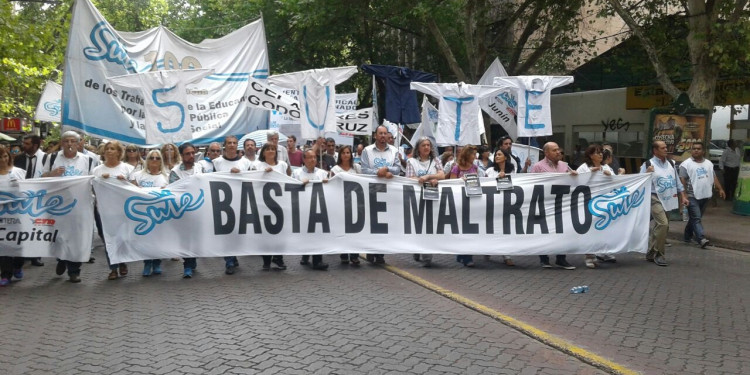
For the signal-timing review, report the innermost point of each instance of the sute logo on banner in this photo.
(34, 204)
(609, 207)
(163, 206)
(107, 47)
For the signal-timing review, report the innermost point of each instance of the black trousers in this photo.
(8, 264)
(730, 181)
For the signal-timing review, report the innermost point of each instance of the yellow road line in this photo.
(535, 333)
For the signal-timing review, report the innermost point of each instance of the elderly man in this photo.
(331, 148)
(68, 163)
(212, 152)
(30, 160)
(697, 175)
(552, 163)
(665, 188)
(380, 159)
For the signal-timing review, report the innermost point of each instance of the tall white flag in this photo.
(49, 107)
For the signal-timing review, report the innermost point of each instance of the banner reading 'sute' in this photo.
(269, 213)
(47, 217)
(215, 105)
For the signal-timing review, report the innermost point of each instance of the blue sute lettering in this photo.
(161, 207)
(53, 108)
(107, 47)
(421, 172)
(665, 183)
(609, 207)
(33, 203)
(146, 184)
(459, 102)
(701, 172)
(380, 162)
(532, 107)
(510, 100)
(307, 108)
(72, 171)
(168, 104)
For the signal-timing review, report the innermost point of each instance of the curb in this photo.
(528, 330)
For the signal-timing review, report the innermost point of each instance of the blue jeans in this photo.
(231, 261)
(191, 263)
(694, 227)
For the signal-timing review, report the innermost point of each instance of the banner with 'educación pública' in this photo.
(253, 213)
(47, 217)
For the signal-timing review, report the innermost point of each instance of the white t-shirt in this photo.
(75, 166)
(223, 165)
(374, 159)
(302, 174)
(317, 96)
(458, 123)
(121, 169)
(178, 172)
(14, 173)
(534, 116)
(423, 168)
(584, 168)
(699, 176)
(355, 169)
(493, 173)
(280, 167)
(144, 179)
(664, 182)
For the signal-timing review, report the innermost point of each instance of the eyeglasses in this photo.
(154, 158)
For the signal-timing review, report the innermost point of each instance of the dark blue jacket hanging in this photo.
(400, 101)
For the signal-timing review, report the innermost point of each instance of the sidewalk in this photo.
(722, 227)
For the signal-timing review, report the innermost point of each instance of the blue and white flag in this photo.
(49, 107)
(215, 106)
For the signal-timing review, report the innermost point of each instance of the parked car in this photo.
(715, 149)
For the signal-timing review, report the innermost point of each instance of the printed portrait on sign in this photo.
(679, 133)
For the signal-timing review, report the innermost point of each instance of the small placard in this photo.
(473, 187)
(429, 192)
(504, 183)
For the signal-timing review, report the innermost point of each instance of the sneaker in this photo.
(18, 274)
(320, 266)
(704, 242)
(565, 265)
(74, 279)
(4, 282)
(660, 261)
(606, 258)
(279, 264)
(60, 268)
(187, 273)
(157, 269)
(92, 260)
(590, 263)
(112, 275)
(229, 270)
(546, 265)
(123, 269)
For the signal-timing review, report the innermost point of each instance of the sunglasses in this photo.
(154, 158)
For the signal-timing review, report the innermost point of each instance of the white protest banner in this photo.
(502, 107)
(542, 214)
(49, 107)
(525, 152)
(215, 105)
(47, 217)
(357, 122)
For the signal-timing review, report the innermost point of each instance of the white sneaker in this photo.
(590, 263)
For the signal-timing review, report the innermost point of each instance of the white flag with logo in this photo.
(502, 107)
(49, 107)
(165, 101)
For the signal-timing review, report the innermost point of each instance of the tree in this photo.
(718, 32)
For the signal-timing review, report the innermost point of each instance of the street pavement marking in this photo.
(535, 333)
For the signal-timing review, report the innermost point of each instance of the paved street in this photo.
(692, 317)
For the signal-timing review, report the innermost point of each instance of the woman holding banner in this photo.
(345, 164)
(268, 162)
(593, 159)
(9, 266)
(133, 157)
(112, 168)
(426, 168)
(170, 155)
(501, 166)
(154, 176)
(465, 165)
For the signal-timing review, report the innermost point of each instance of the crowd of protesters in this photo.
(148, 168)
